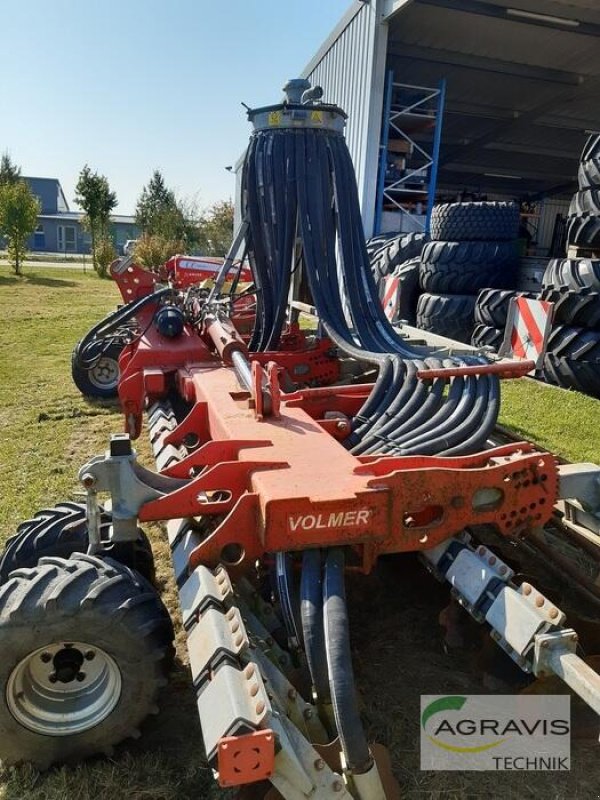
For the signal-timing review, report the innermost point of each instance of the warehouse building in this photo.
(465, 99)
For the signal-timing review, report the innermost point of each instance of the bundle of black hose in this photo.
(319, 190)
(339, 664)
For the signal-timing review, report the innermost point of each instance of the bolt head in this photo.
(80, 676)
(319, 764)
(46, 658)
(90, 655)
(337, 786)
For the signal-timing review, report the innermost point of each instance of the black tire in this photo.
(572, 273)
(467, 267)
(447, 315)
(583, 222)
(583, 376)
(575, 344)
(62, 531)
(492, 306)
(82, 620)
(487, 336)
(580, 309)
(589, 167)
(396, 251)
(408, 290)
(465, 222)
(375, 243)
(101, 380)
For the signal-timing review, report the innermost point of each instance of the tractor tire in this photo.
(467, 267)
(583, 221)
(487, 336)
(574, 344)
(449, 315)
(492, 306)
(589, 166)
(467, 222)
(375, 243)
(583, 376)
(102, 379)
(62, 531)
(572, 273)
(580, 309)
(396, 251)
(408, 289)
(85, 645)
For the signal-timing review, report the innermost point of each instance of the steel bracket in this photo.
(517, 616)
(217, 638)
(547, 645)
(203, 590)
(476, 577)
(233, 703)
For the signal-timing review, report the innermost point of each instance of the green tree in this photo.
(18, 219)
(95, 197)
(9, 172)
(159, 214)
(215, 229)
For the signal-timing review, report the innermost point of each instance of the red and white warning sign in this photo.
(527, 328)
(391, 297)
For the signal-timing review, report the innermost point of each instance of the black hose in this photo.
(311, 612)
(339, 664)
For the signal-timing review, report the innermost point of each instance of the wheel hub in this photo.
(64, 688)
(104, 373)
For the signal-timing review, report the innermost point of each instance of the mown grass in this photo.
(566, 422)
(47, 431)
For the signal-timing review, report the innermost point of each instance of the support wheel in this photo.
(85, 648)
(101, 378)
(62, 531)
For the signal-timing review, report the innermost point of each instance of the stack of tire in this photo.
(472, 247)
(583, 221)
(573, 284)
(398, 256)
(572, 357)
(491, 312)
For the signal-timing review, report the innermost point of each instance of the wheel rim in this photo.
(105, 373)
(64, 688)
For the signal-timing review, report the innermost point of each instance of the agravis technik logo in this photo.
(491, 732)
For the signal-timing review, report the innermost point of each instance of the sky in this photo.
(129, 86)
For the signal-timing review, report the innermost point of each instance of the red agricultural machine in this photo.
(286, 459)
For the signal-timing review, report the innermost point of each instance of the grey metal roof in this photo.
(523, 86)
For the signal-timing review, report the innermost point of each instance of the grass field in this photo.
(47, 431)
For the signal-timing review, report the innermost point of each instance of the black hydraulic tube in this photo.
(339, 664)
(311, 612)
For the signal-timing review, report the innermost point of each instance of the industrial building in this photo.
(465, 99)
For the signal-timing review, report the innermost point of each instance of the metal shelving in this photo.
(407, 168)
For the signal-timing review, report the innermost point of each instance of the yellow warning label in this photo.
(274, 117)
(316, 116)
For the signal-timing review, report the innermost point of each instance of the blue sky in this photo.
(132, 85)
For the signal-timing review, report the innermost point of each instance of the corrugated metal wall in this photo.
(550, 207)
(351, 69)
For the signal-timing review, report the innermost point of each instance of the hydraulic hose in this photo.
(110, 324)
(339, 664)
(311, 611)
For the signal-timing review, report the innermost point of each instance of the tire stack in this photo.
(397, 256)
(491, 312)
(472, 247)
(573, 351)
(573, 284)
(583, 222)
